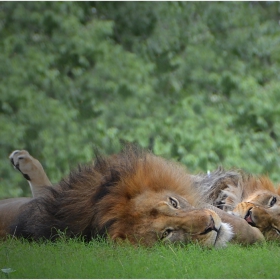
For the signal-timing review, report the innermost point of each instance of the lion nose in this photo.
(210, 227)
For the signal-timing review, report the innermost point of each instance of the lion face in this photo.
(254, 199)
(262, 210)
(133, 195)
(169, 217)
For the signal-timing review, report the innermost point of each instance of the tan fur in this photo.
(252, 201)
(38, 180)
(9, 210)
(32, 168)
(151, 186)
(140, 205)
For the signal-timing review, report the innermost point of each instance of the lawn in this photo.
(101, 259)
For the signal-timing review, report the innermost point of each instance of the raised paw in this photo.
(22, 161)
(31, 170)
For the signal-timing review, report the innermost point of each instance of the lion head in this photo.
(262, 210)
(134, 195)
(252, 198)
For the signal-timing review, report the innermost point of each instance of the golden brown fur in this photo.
(253, 198)
(260, 207)
(135, 196)
(128, 196)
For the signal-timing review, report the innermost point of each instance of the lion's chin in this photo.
(224, 235)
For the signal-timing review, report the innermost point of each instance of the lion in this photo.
(134, 196)
(260, 207)
(253, 198)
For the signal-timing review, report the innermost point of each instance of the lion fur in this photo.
(94, 200)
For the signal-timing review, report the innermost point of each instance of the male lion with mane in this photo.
(133, 195)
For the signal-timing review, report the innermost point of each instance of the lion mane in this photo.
(132, 195)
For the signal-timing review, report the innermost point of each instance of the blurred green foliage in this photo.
(198, 82)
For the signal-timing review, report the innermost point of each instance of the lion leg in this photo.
(32, 171)
(243, 232)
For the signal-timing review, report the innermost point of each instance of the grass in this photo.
(102, 259)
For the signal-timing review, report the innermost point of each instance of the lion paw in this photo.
(31, 169)
(22, 161)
